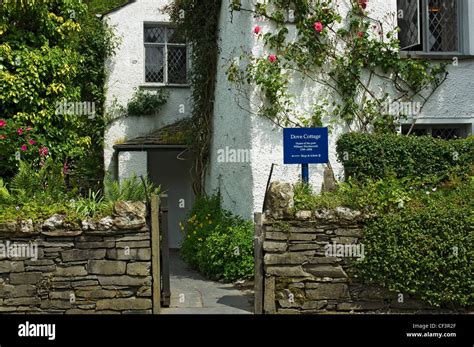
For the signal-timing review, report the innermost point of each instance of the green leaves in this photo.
(147, 104)
(378, 156)
(216, 243)
(425, 251)
(130, 189)
(53, 52)
(347, 61)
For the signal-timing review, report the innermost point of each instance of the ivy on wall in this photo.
(347, 53)
(199, 24)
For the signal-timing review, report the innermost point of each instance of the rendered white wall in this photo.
(231, 123)
(234, 127)
(126, 72)
(131, 163)
(242, 185)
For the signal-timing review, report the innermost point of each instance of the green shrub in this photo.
(306, 199)
(43, 182)
(218, 244)
(146, 104)
(5, 196)
(370, 195)
(425, 249)
(130, 189)
(380, 155)
(92, 205)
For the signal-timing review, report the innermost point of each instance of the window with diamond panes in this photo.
(409, 23)
(430, 26)
(442, 26)
(165, 55)
(445, 131)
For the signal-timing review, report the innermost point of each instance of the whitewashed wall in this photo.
(231, 124)
(132, 163)
(243, 186)
(126, 73)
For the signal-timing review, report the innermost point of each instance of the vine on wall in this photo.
(198, 21)
(349, 55)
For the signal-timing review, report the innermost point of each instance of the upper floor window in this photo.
(431, 26)
(165, 55)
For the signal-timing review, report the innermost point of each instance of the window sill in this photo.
(163, 85)
(434, 56)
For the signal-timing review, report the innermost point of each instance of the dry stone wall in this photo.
(88, 267)
(308, 259)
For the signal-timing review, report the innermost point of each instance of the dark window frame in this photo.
(166, 45)
(422, 48)
(427, 129)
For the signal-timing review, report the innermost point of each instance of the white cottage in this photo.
(244, 146)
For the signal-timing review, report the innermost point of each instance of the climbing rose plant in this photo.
(347, 53)
(18, 142)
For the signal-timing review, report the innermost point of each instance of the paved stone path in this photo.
(191, 293)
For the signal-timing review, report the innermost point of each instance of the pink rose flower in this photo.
(20, 131)
(29, 129)
(2, 137)
(360, 34)
(43, 151)
(272, 58)
(318, 26)
(31, 142)
(257, 29)
(24, 148)
(2, 123)
(363, 4)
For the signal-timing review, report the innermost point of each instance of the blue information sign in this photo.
(305, 145)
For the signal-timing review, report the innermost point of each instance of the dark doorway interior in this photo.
(170, 169)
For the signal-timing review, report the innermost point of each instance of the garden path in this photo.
(191, 293)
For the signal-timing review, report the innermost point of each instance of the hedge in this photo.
(381, 155)
(425, 249)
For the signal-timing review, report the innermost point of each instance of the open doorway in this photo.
(170, 168)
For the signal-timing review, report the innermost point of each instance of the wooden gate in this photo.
(160, 252)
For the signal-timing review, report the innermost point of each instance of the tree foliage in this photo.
(51, 53)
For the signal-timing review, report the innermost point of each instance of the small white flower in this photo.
(17, 208)
(427, 192)
(434, 189)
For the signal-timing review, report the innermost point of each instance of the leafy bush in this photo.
(216, 243)
(63, 61)
(147, 104)
(5, 196)
(45, 182)
(92, 205)
(425, 249)
(306, 199)
(17, 139)
(130, 189)
(370, 195)
(37, 192)
(420, 239)
(380, 155)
